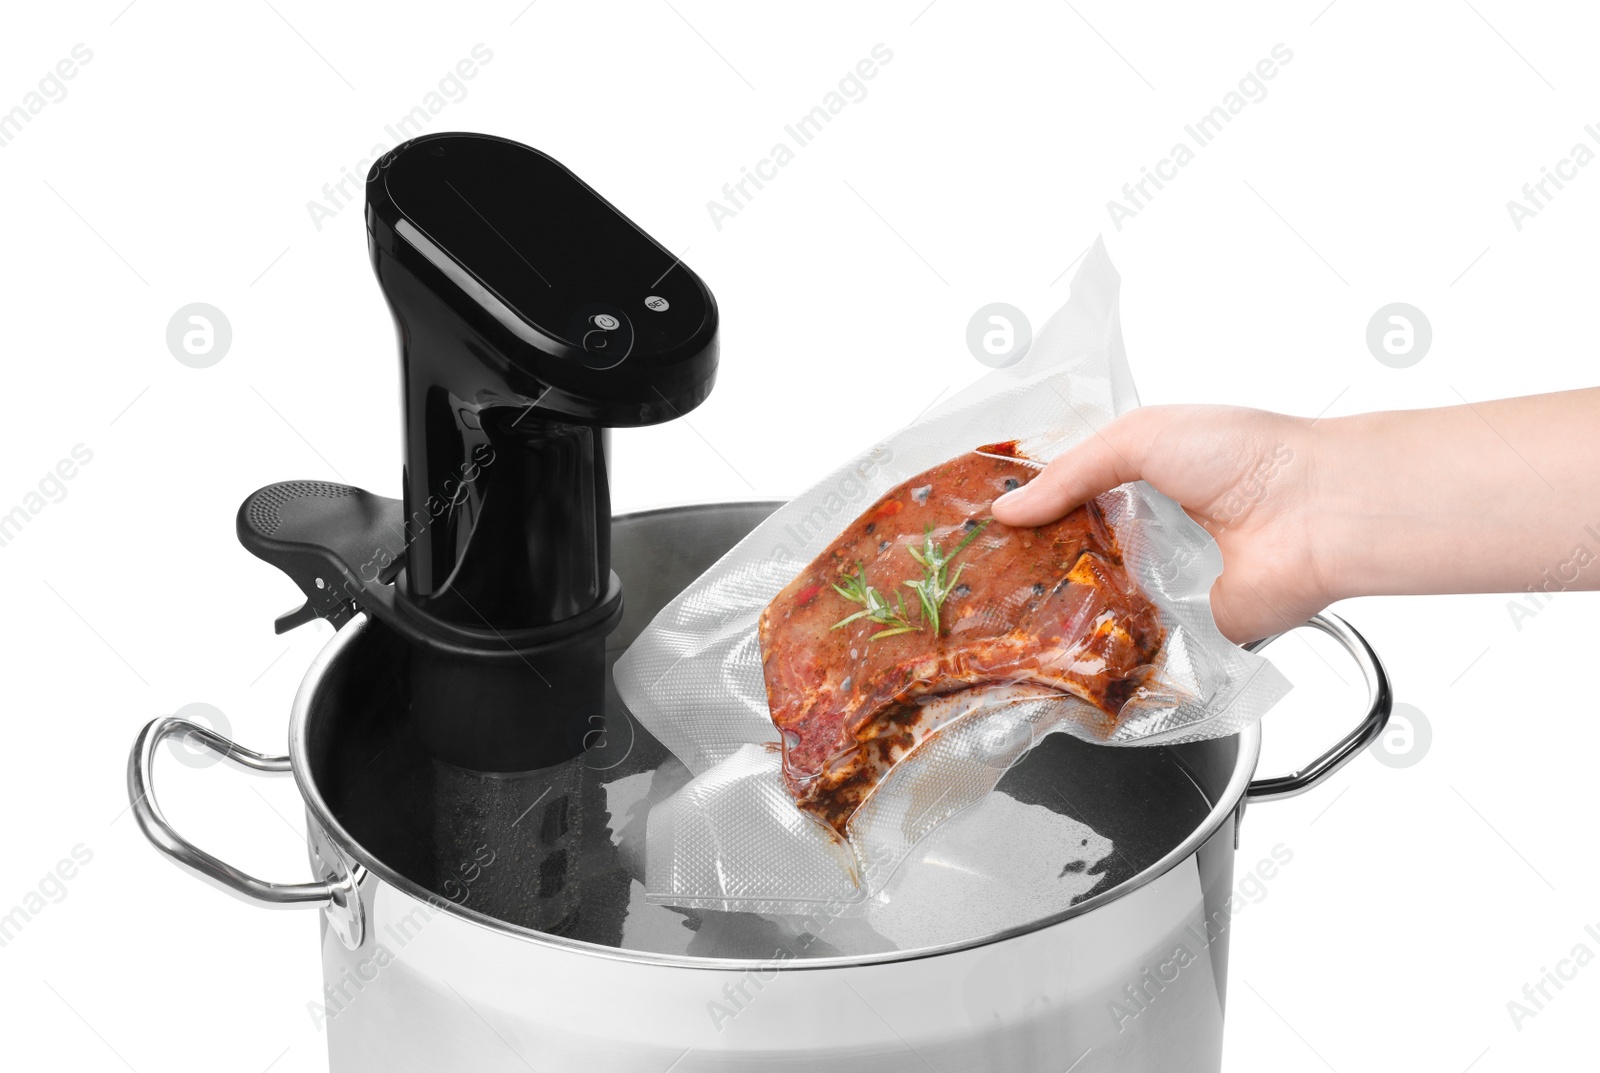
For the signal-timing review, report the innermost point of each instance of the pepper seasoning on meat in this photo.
(924, 596)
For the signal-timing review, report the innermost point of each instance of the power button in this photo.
(604, 333)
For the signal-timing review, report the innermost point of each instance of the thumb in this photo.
(1105, 459)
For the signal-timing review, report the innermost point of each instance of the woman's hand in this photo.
(1500, 496)
(1246, 475)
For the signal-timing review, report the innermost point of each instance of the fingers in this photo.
(1107, 458)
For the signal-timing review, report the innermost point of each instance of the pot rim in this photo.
(1226, 805)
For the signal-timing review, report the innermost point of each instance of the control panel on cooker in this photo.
(544, 246)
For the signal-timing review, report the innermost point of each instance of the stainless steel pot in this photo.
(1129, 978)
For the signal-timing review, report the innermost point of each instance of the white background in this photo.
(1377, 169)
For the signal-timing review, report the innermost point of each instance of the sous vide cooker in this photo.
(476, 792)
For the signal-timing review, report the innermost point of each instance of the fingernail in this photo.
(1010, 497)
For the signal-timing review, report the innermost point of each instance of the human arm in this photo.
(1486, 497)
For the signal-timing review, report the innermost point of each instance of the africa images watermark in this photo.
(452, 494)
(50, 890)
(1537, 194)
(1250, 490)
(52, 488)
(822, 519)
(351, 982)
(348, 985)
(1559, 578)
(1536, 996)
(50, 89)
(450, 89)
(743, 990)
(851, 89)
(1251, 89)
(1143, 993)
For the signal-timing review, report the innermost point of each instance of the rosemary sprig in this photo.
(874, 607)
(937, 583)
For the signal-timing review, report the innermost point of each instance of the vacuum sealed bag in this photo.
(876, 654)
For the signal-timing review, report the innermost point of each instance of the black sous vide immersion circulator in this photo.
(532, 317)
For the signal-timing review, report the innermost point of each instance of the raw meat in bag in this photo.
(853, 673)
(885, 745)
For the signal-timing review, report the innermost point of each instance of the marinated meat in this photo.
(924, 598)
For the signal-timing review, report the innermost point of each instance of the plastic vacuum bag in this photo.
(732, 839)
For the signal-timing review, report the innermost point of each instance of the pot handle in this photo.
(220, 874)
(1380, 699)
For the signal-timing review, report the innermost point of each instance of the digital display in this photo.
(547, 246)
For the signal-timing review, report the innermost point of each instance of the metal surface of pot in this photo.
(420, 977)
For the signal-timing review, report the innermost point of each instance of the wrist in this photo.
(1354, 501)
